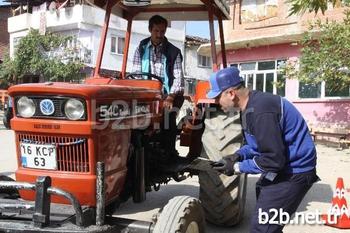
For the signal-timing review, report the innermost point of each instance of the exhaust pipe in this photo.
(139, 172)
(100, 193)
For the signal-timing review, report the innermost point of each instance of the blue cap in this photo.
(223, 79)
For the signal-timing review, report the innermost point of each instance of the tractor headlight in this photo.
(74, 109)
(25, 107)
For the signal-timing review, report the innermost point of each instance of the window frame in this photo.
(323, 94)
(15, 42)
(200, 61)
(252, 7)
(116, 52)
(254, 72)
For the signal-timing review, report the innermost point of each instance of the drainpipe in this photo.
(184, 57)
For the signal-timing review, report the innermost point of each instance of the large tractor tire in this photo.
(182, 214)
(223, 197)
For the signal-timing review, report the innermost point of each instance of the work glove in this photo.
(227, 165)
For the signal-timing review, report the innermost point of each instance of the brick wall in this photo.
(240, 29)
(272, 38)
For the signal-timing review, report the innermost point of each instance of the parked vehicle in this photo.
(91, 146)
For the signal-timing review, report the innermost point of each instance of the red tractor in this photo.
(84, 148)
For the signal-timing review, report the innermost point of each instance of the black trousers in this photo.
(169, 127)
(284, 193)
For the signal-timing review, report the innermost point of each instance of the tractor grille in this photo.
(72, 153)
(58, 103)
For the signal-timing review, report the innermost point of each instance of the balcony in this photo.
(56, 19)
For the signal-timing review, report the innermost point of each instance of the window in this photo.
(266, 65)
(281, 85)
(117, 45)
(321, 90)
(263, 76)
(204, 61)
(16, 42)
(248, 66)
(257, 10)
(342, 92)
(249, 79)
(309, 90)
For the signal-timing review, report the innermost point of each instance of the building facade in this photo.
(259, 37)
(196, 66)
(84, 23)
(5, 12)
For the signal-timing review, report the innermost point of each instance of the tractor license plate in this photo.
(41, 156)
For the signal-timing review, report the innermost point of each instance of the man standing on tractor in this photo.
(278, 146)
(156, 55)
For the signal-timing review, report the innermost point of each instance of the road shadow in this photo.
(6, 173)
(158, 199)
(318, 193)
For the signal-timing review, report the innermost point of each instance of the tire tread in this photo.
(220, 195)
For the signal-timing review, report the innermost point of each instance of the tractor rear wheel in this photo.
(223, 197)
(182, 214)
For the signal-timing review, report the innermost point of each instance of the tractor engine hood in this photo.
(91, 103)
(86, 91)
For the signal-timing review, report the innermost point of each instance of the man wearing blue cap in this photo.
(277, 145)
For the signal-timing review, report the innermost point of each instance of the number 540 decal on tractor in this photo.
(84, 148)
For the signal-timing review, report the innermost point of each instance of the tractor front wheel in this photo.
(182, 214)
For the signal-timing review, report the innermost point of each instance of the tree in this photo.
(301, 6)
(324, 55)
(45, 55)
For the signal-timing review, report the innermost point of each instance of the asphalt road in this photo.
(331, 164)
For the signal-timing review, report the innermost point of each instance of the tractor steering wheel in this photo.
(149, 76)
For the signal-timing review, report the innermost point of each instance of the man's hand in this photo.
(168, 102)
(226, 164)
